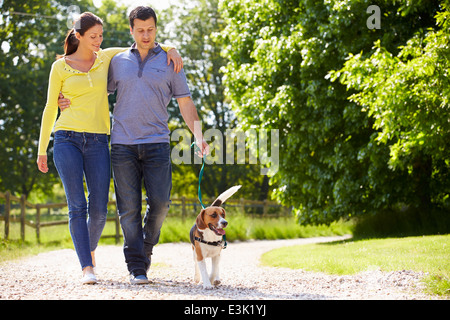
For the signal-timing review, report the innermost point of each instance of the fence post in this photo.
(38, 223)
(22, 216)
(183, 208)
(242, 203)
(265, 208)
(287, 211)
(7, 213)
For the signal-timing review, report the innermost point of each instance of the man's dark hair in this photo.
(142, 13)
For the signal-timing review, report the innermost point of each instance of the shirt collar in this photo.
(97, 62)
(155, 50)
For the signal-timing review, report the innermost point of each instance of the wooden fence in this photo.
(264, 211)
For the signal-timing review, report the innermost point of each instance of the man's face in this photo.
(144, 33)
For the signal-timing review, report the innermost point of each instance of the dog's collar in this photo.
(213, 243)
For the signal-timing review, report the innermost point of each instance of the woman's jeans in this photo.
(131, 164)
(77, 155)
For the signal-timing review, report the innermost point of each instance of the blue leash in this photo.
(196, 148)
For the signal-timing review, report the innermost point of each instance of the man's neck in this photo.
(144, 52)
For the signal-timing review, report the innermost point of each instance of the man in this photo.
(145, 84)
(140, 148)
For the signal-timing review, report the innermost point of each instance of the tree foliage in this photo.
(407, 96)
(279, 55)
(29, 40)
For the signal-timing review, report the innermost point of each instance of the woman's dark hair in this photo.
(141, 13)
(86, 21)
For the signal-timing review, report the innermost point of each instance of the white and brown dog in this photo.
(207, 238)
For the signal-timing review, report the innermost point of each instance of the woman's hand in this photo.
(42, 164)
(173, 55)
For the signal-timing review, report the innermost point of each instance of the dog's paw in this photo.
(196, 278)
(207, 286)
(216, 282)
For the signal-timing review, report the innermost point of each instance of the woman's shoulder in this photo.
(58, 64)
(59, 61)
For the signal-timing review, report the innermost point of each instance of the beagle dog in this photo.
(207, 238)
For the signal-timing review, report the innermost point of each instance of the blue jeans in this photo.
(131, 165)
(77, 155)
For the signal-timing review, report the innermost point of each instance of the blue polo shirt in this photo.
(144, 89)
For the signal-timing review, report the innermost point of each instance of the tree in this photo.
(279, 54)
(116, 27)
(408, 95)
(28, 37)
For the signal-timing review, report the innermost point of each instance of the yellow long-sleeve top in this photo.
(87, 91)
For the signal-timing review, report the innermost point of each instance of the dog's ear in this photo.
(200, 222)
(224, 213)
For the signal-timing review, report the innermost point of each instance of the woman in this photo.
(81, 133)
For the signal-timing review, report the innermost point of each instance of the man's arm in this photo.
(190, 116)
(63, 103)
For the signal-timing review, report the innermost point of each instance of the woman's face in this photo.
(92, 38)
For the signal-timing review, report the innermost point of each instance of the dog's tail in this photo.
(224, 196)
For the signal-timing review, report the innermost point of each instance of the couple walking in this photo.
(145, 77)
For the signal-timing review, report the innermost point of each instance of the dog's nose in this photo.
(224, 223)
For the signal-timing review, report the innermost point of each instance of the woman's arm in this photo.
(172, 55)
(49, 116)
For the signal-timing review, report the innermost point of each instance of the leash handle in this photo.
(196, 148)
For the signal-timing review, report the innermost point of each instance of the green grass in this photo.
(428, 254)
(245, 228)
(174, 230)
(52, 238)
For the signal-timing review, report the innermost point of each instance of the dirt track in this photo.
(56, 275)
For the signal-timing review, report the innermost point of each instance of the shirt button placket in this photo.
(90, 80)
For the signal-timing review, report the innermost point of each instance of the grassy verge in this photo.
(240, 227)
(246, 228)
(428, 254)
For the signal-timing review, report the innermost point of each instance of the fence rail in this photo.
(182, 202)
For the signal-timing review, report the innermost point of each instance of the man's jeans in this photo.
(132, 164)
(77, 155)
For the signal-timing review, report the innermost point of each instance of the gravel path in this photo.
(56, 275)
